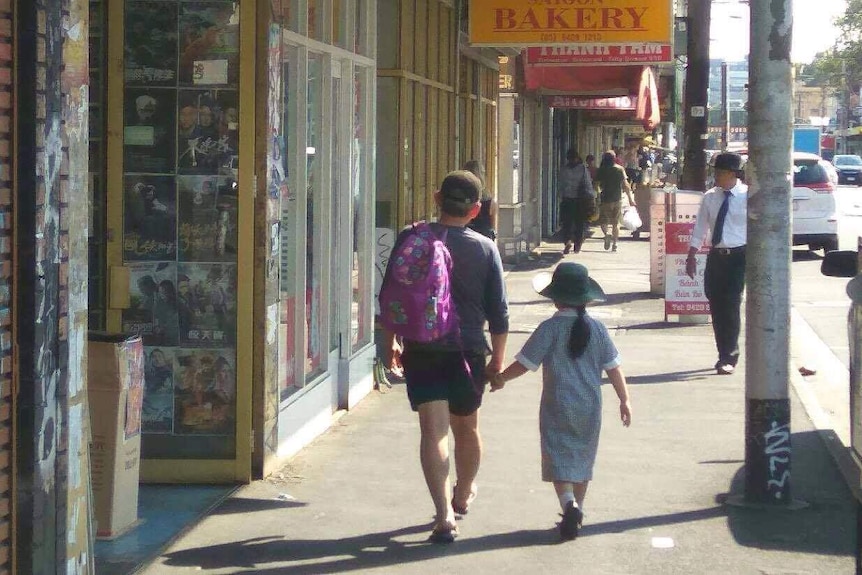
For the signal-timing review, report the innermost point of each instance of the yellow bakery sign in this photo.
(549, 22)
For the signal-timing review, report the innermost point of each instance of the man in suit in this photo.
(721, 222)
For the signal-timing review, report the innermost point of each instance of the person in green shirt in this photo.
(611, 181)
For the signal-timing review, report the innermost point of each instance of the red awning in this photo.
(572, 80)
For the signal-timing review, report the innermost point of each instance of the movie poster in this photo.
(209, 44)
(149, 131)
(150, 218)
(151, 44)
(205, 392)
(207, 304)
(207, 219)
(152, 311)
(207, 132)
(157, 414)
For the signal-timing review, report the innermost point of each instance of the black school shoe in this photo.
(572, 520)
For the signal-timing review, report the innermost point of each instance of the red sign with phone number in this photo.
(683, 295)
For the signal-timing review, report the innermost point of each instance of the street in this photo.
(821, 300)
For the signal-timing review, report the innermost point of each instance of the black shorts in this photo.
(442, 375)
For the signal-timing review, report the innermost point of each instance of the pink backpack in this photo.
(416, 299)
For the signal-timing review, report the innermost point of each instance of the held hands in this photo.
(497, 382)
(493, 372)
(690, 266)
(626, 413)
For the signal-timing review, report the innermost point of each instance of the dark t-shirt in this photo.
(611, 180)
(478, 288)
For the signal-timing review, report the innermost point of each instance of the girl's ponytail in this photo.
(580, 334)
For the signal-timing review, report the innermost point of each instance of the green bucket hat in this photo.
(570, 284)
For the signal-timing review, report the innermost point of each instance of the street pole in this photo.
(696, 92)
(725, 112)
(768, 256)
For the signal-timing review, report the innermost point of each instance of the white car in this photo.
(815, 217)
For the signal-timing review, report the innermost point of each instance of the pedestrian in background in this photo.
(446, 378)
(576, 192)
(574, 349)
(611, 182)
(590, 161)
(486, 221)
(722, 217)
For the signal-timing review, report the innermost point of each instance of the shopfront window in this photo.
(335, 223)
(314, 221)
(96, 177)
(288, 273)
(180, 151)
(360, 332)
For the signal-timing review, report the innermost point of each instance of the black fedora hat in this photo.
(570, 284)
(728, 161)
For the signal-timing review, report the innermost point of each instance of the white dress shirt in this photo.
(734, 232)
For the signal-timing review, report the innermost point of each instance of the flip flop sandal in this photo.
(463, 509)
(445, 533)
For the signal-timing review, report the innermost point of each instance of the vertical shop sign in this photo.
(683, 295)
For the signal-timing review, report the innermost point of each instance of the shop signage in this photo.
(550, 22)
(574, 102)
(683, 295)
(608, 54)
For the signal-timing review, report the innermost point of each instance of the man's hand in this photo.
(497, 382)
(626, 413)
(690, 266)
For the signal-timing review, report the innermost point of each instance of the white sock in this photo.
(565, 497)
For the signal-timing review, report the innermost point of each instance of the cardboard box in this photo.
(115, 388)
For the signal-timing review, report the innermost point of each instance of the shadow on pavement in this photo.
(827, 526)
(671, 377)
(539, 261)
(360, 553)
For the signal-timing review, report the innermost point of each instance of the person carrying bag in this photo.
(578, 201)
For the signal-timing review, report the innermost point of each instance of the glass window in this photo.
(339, 22)
(314, 220)
(335, 223)
(96, 177)
(360, 330)
(315, 19)
(287, 327)
(180, 154)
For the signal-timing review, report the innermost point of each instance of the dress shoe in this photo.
(725, 369)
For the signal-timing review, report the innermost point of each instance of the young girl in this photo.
(573, 349)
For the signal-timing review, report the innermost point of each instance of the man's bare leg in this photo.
(434, 455)
(468, 454)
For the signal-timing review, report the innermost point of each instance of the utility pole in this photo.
(725, 112)
(768, 256)
(696, 93)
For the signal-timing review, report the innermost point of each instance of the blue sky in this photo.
(812, 20)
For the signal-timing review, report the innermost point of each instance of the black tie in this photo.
(718, 231)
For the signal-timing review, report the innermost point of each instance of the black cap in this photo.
(461, 187)
(728, 161)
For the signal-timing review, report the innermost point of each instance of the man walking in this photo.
(446, 378)
(723, 213)
(575, 186)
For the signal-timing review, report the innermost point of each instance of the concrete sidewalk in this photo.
(355, 500)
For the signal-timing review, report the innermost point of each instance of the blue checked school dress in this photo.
(570, 414)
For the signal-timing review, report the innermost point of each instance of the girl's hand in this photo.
(626, 413)
(497, 382)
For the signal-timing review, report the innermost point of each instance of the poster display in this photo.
(683, 295)
(152, 311)
(150, 219)
(205, 392)
(148, 131)
(206, 304)
(157, 413)
(151, 44)
(180, 236)
(209, 43)
(207, 219)
(207, 132)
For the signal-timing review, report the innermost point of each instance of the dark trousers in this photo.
(573, 222)
(724, 280)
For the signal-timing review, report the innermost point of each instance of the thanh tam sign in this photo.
(607, 54)
(550, 22)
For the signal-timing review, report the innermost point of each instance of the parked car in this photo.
(815, 220)
(849, 168)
